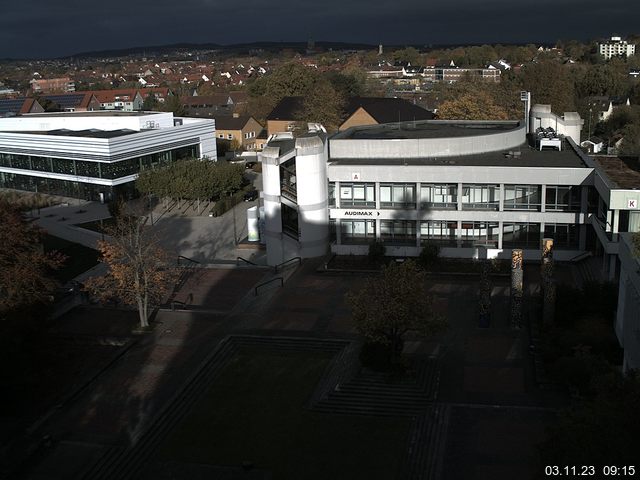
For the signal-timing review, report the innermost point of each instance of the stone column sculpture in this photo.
(547, 283)
(517, 288)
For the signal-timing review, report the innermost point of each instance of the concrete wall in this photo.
(427, 147)
(628, 314)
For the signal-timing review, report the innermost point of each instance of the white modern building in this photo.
(474, 188)
(616, 47)
(95, 155)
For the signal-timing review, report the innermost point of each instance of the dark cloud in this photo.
(44, 28)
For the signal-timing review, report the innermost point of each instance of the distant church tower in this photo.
(380, 49)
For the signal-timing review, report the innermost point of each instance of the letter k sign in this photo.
(632, 203)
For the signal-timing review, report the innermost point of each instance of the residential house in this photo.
(243, 129)
(18, 106)
(127, 100)
(74, 102)
(375, 111)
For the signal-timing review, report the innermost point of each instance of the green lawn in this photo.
(79, 258)
(255, 413)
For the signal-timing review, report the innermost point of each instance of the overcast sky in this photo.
(51, 28)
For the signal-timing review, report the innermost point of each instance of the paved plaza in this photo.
(483, 384)
(481, 415)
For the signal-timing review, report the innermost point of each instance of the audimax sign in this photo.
(360, 213)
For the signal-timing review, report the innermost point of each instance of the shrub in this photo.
(429, 256)
(377, 252)
(376, 356)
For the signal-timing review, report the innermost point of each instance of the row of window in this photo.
(449, 233)
(65, 188)
(82, 168)
(445, 196)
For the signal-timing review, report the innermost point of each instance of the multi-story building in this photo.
(95, 155)
(616, 47)
(52, 85)
(474, 188)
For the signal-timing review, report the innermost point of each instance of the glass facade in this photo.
(480, 197)
(522, 197)
(357, 231)
(565, 235)
(107, 170)
(398, 195)
(288, 179)
(439, 196)
(484, 233)
(563, 198)
(65, 188)
(357, 195)
(398, 232)
(521, 235)
(439, 232)
(290, 221)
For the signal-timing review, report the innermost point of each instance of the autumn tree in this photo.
(550, 83)
(139, 269)
(472, 106)
(24, 268)
(390, 306)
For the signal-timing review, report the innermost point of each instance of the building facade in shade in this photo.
(95, 155)
(473, 188)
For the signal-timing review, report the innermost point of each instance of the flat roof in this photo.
(528, 157)
(96, 113)
(426, 129)
(625, 173)
(89, 133)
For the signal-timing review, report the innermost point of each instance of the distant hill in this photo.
(268, 46)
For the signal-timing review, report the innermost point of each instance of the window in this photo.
(332, 194)
(398, 195)
(42, 164)
(438, 232)
(357, 195)
(439, 197)
(398, 232)
(288, 187)
(522, 197)
(358, 231)
(290, 221)
(563, 198)
(480, 197)
(521, 235)
(565, 235)
(221, 135)
(485, 233)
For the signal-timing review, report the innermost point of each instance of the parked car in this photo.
(250, 196)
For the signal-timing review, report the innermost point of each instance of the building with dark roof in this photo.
(374, 111)
(18, 106)
(73, 102)
(358, 111)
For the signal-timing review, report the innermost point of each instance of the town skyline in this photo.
(70, 30)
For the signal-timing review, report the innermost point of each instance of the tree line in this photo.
(191, 180)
